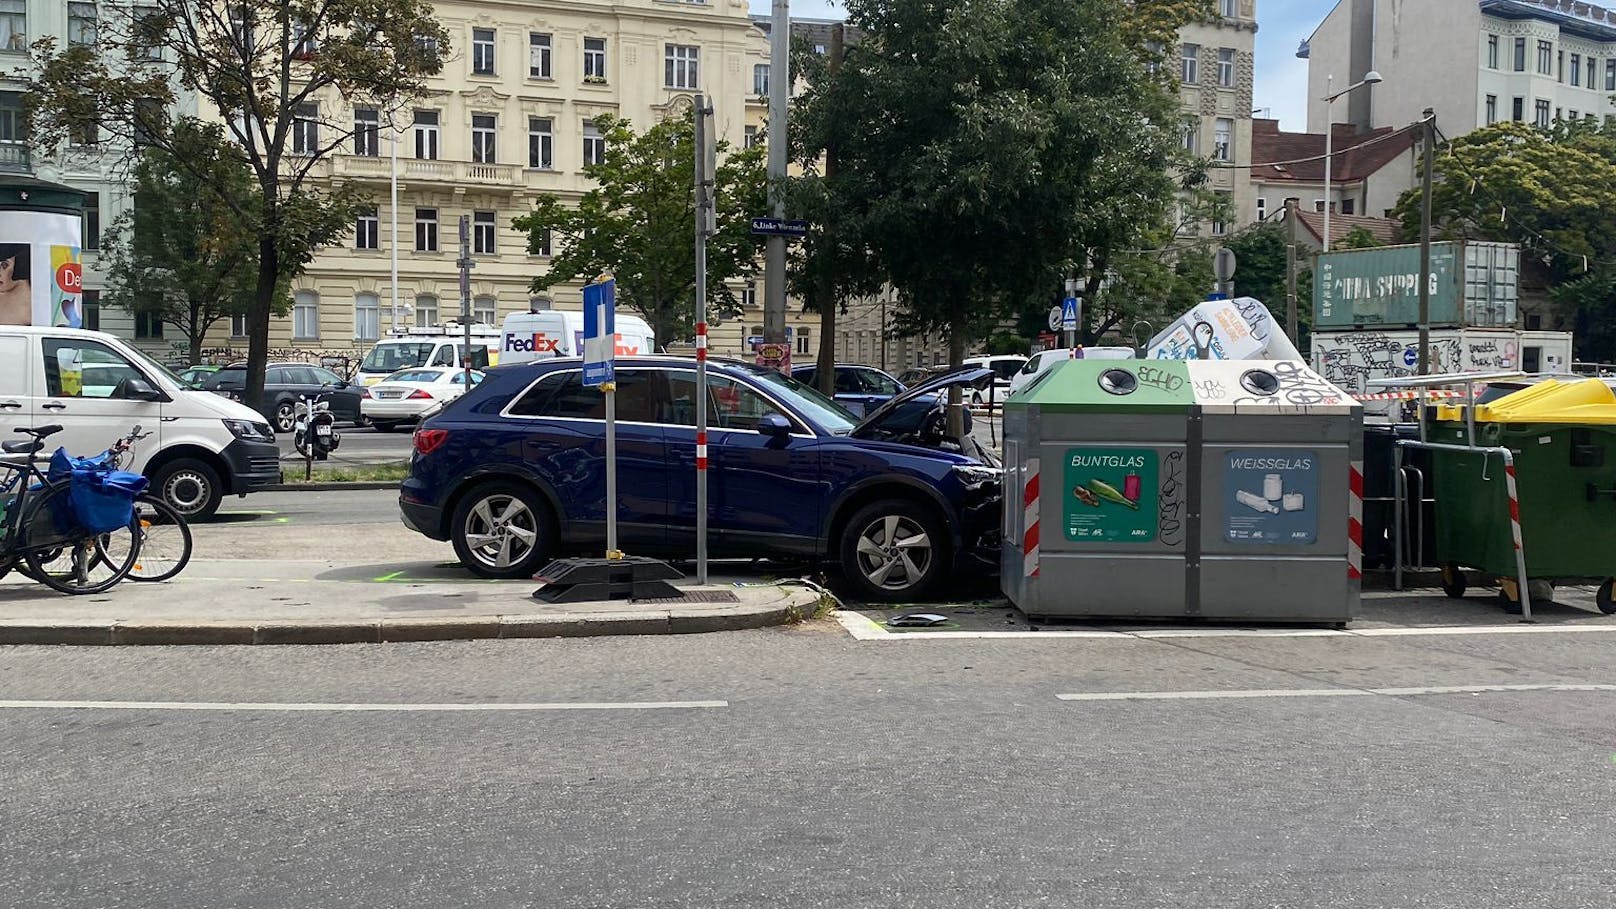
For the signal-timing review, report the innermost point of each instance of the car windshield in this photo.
(386, 358)
(137, 355)
(416, 375)
(829, 415)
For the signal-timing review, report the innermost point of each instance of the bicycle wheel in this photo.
(91, 563)
(165, 541)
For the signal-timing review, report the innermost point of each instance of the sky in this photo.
(1281, 85)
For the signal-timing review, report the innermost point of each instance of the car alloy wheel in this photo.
(285, 416)
(894, 553)
(501, 531)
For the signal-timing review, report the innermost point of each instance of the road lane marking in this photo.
(1255, 693)
(295, 707)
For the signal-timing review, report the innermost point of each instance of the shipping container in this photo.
(1472, 285)
(1350, 359)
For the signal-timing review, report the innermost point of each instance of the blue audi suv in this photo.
(513, 474)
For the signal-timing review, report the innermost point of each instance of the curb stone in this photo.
(333, 486)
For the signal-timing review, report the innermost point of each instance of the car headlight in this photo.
(975, 476)
(249, 431)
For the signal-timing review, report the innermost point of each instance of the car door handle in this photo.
(10, 404)
(54, 405)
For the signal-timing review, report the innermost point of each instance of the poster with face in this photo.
(41, 269)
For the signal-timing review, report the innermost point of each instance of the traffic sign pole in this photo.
(600, 351)
(704, 212)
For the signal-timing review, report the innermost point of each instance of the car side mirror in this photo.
(140, 390)
(774, 425)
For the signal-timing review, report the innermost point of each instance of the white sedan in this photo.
(409, 395)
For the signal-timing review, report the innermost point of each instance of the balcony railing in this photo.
(458, 173)
(15, 158)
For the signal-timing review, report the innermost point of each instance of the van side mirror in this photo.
(140, 390)
(774, 425)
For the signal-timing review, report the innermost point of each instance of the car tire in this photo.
(895, 550)
(190, 487)
(502, 529)
(380, 426)
(285, 416)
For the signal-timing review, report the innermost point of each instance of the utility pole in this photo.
(465, 295)
(774, 262)
(706, 163)
(828, 304)
(1291, 327)
(1425, 242)
(393, 134)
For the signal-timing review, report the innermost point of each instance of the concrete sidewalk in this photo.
(247, 601)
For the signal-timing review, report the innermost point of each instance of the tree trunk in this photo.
(258, 320)
(956, 359)
(826, 366)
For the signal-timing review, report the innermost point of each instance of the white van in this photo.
(530, 336)
(97, 388)
(417, 350)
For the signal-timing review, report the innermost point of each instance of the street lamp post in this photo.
(1370, 78)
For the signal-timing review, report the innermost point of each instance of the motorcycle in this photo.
(314, 430)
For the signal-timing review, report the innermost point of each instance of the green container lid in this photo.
(1111, 386)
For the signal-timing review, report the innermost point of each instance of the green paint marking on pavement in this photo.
(283, 520)
(389, 577)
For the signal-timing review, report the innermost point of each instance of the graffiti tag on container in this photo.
(1157, 377)
(1170, 502)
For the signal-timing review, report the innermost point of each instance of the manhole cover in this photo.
(698, 596)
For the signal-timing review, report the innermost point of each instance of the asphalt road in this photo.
(335, 507)
(799, 768)
(358, 445)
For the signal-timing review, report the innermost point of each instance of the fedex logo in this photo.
(538, 343)
(618, 348)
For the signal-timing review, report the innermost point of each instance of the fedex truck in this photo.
(529, 336)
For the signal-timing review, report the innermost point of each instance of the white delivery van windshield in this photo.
(391, 356)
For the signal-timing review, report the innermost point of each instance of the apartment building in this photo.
(1474, 62)
(1216, 67)
(1370, 170)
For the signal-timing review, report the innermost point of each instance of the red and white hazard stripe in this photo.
(1514, 504)
(1029, 506)
(701, 340)
(1407, 395)
(701, 450)
(1355, 520)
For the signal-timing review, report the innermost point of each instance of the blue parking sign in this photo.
(600, 333)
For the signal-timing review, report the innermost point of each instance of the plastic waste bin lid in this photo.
(1584, 401)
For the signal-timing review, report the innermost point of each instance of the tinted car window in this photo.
(737, 406)
(1004, 369)
(444, 356)
(848, 382)
(565, 395)
(830, 416)
(881, 383)
(324, 376)
(229, 379)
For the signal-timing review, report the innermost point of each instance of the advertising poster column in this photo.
(41, 262)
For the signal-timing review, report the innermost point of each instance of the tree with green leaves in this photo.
(181, 256)
(638, 224)
(282, 76)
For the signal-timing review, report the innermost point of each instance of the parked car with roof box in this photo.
(512, 474)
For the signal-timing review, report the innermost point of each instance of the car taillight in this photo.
(420, 394)
(430, 440)
(364, 393)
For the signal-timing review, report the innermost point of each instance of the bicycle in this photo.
(41, 537)
(165, 535)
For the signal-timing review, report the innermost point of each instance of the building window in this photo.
(804, 336)
(538, 56)
(1492, 51)
(14, 25)
(1542, 118)
(1559, 66)
(1492, 109)
(366, 132)
(1349, 206)
(1610, 75)
(1226, 67)
(760, 80)
(1520, 55)
(367, 229)
(84, 133)
(538, 304)
(426, 311)
(426, 135)
(238, 326)
(1545, 58)
(1223, 140)
(1192, 135)
(1192, 64)
(81, 30)
(426, 230)
(148, 327)
(539, 245)
(482, 233)
(92, 221)
(594, 144)
(306, 129)
(367, 322)
(1576, 69)
(92, 310)
(752, 136)
(540, 143)
(482, 51)
(306, 314)
(1573, 117)
(1226, 7)
(679, 66)
(1593, 71)
(1220, 226)
(1262, 208)
(1557, 114)
(427, 44)
(150, 119)
(485, 310)
(1318, 206)
(482, 138)
(1518, 109)
(306, 43)
(594, 59)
